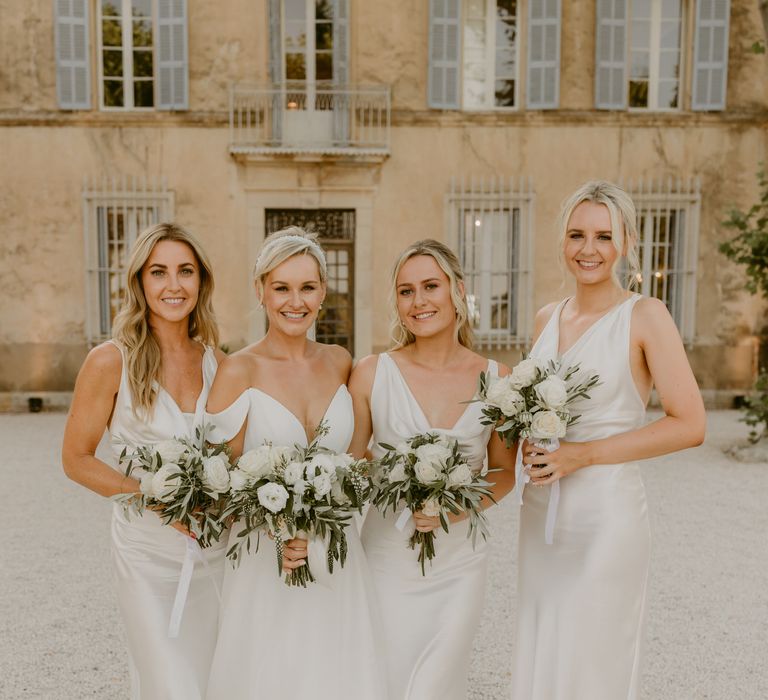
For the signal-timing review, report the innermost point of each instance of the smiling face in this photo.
(589, 250)
(424, 303)
(292, 294)
(171, 281)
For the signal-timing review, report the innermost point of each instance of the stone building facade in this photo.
(376, 123)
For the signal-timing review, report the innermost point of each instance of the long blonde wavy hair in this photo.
(448, 262)
(131, 328)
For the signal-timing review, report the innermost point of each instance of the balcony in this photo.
(307, 119)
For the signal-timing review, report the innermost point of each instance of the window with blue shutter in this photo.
(710, 55)
(73, 75)
(444, 54)
(543, 85)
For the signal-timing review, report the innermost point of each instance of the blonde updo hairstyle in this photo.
(623, 215)
(131, 328)
(448, 262)
(284, 244)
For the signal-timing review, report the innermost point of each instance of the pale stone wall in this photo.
(47, 153)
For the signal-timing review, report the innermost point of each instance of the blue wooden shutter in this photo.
(611, 55)
(444, 54)
(710, 55)
(543, 84)
(73, 61)
(172, 55)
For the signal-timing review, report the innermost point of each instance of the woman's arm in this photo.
(92, 403)
(360, 386)
(682, 426)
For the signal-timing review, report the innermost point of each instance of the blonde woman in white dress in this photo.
(147, 385)
(276, 641)
(581, 599)
(429, 622)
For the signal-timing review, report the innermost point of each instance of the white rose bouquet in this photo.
(533, 403)
(429, 473)
(180, 481)
(299, 491)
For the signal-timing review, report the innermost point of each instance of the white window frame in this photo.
(127, 30)
(656, 200)
(140, 204)
(655, 58)
(490, 60)
(481, 197)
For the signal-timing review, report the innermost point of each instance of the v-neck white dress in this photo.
(147, 557)
(581, 599)
(292, 643)
(429, 622)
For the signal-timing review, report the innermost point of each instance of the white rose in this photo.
(524, 373)
(552, 392)
(426, 472)
(431, 508)
(165, 482)
(321, 484)
(435, 454)
(238, 480)
(321, 464)
(504, 396)
(403, 448)
(170, 450)
(293, 473)
(257, 463)
(272, 496)
(397, 473)
(461, 475)
(299, 487)
(216, 473)
(343, 461)
(547, 425)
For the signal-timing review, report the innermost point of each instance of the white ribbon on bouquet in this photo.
(522, 478)
(192, 553)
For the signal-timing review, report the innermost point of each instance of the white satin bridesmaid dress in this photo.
(581, 599)
(429, 622)
(148, 556)
(278, 642)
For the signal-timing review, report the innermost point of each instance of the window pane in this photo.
(143, 93)
(506, 9)
(142, 64)
(323, 9)
(640, 65)
(141, 8)
(295, 66)
(641, 34)
(113, 63)
(295, 36)
(113, 93)
(142, 33)
(638, 93)
(505, 34)
(294, 9)
(670, 8)
(324, 66)
(323, 36)
(669, 64)
(505, 93)
(505, 64)
(641, 9)
(667, 94)
(110, 8)
(111, 32)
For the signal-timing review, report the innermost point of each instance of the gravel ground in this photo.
(707, 635)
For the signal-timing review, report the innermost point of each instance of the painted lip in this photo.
(423, 315)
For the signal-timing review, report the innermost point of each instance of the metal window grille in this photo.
(336, 231)
(668, 235)
(491, 227)
(115, 211)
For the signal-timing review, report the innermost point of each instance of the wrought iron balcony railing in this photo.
(306, 118)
